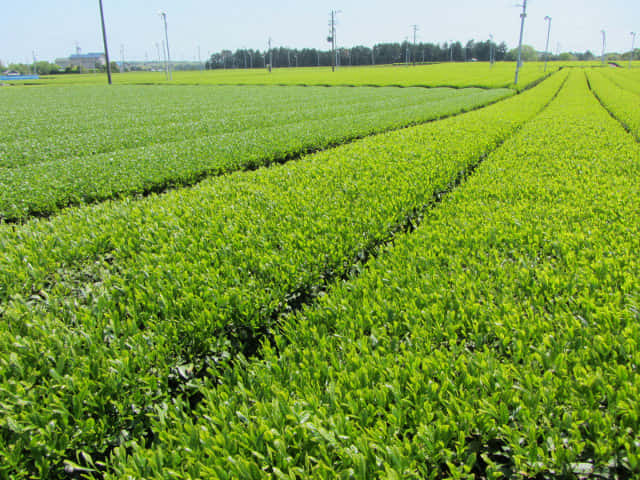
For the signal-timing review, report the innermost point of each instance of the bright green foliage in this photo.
(628, 79)
(131, 140)
(91, 120)
(621, 101)
(112, 311)
(498, 340)
(470, 74)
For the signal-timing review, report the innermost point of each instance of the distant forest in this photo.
(387, 53)
(382, 53)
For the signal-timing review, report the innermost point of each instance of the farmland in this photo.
(456, 298)
(129, 140)
(456, 75)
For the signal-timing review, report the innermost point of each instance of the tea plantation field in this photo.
(107, 142)
(458, 75)
(417, 283)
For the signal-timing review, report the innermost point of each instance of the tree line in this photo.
(48, 68)
(379, 54)
(393, 53)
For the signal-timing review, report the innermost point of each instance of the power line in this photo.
(633, 46)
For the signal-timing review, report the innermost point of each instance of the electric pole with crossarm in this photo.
(332, 38)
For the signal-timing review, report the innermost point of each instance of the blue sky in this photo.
(52, 28)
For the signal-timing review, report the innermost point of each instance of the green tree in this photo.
(46, 68)
(22, 68)
(567, 57)
(529, 54)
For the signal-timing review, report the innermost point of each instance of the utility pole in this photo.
(104, 39)
(122, 58)
(523, 15)
(415, 32)
(200, 59)
(163, 14)
(451, 50)
(491, 51)
(270, 56)
(164, 60)
(373, 55)
(546, 48)
(604, 45)
(633, 46)
(332, 38)
(35, 68)
(406, 51)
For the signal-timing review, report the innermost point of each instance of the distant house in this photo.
(87, 61)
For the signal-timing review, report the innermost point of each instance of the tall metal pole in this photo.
(104, 39)
(523, 15)
(415, 31)
(604, 45)
(166, 37)
(164, 60)
(546, 49)
(270, 56)
(491, 49)
(406, 52)
(633, 46)
(333, 41)
(451, 50)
